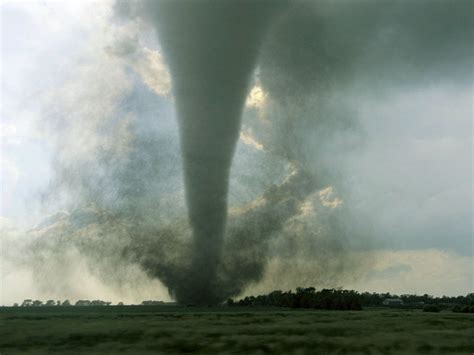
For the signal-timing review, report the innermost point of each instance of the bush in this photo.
(431, 308)
(463, 309)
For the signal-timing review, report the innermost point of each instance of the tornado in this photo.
(211, 47)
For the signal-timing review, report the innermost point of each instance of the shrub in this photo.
(431, 308)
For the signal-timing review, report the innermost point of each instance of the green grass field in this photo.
(172, 329)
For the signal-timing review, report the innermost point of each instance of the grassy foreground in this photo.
(171, 329)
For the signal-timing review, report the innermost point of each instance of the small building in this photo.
(393, 302)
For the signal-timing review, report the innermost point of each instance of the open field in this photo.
(172, 329)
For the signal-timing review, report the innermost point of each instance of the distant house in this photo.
(393, 302)
(92, 303)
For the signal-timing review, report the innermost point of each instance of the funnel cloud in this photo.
(211, 48)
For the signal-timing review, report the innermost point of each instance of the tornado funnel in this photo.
(211, 48)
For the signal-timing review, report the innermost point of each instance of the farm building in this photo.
(393, 302)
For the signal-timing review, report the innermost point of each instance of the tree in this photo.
(27, 303)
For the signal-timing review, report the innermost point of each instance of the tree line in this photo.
(338, 299)
(376, 299)
(330, 299)
(305, 298)
(50, 303)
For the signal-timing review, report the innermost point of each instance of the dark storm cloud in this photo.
(314, 53)
(323, 61)
(313, 61)
(319, 45)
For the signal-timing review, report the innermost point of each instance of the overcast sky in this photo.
(406, 178)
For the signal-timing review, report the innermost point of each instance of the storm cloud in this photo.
(347, 99)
